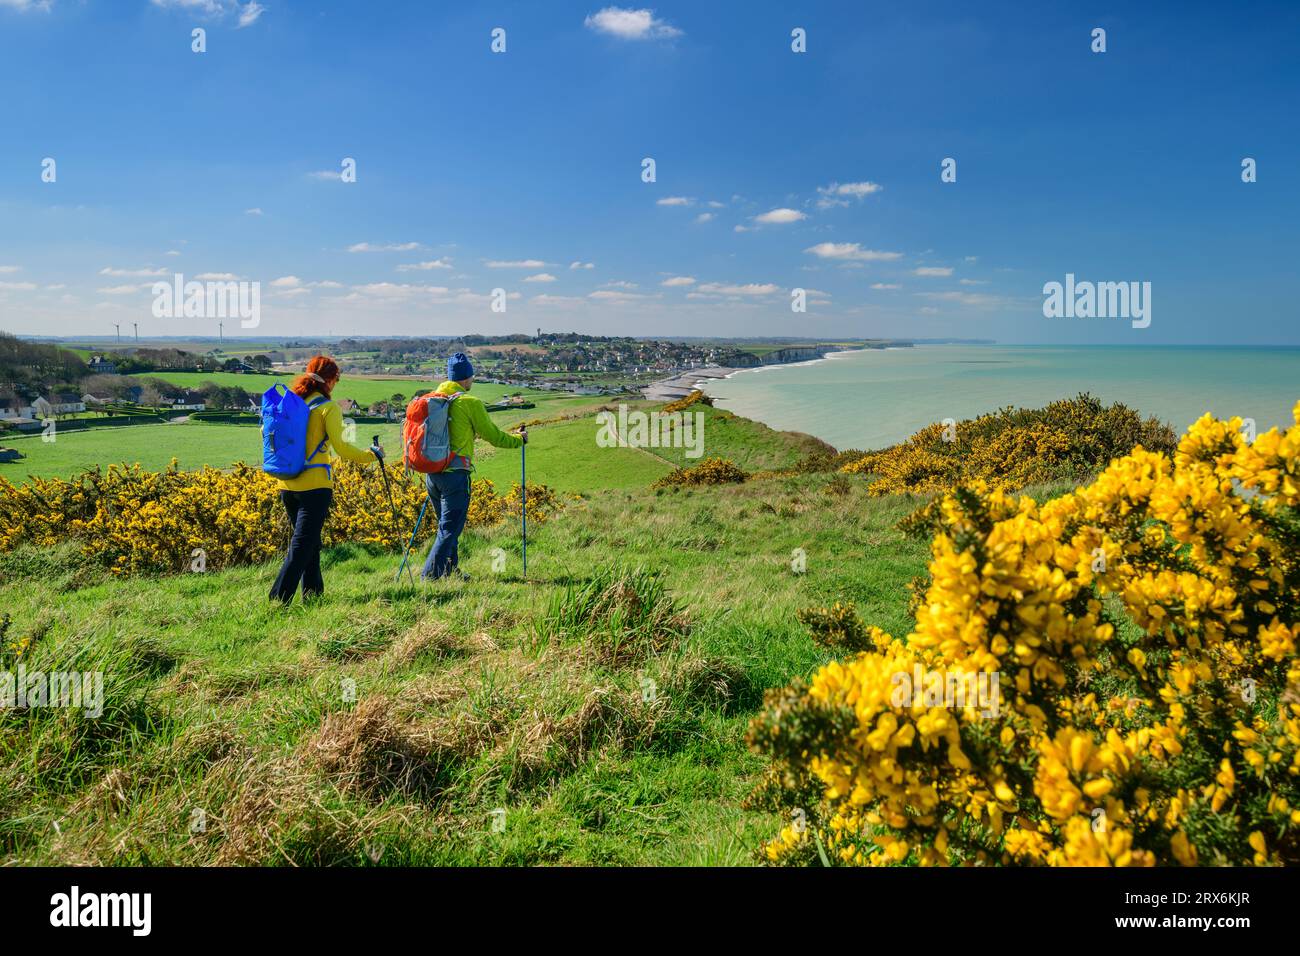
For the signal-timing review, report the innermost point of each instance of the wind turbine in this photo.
(119, 332)
(136, 326)
(221, 331)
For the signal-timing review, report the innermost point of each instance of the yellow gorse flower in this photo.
(1145, 629)
(132, 520)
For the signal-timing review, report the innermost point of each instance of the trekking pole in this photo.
(374, 440)
(523, 487)
(411, 544)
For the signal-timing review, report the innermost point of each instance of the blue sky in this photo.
(774, 170)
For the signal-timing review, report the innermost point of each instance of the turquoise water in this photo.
(869, 399)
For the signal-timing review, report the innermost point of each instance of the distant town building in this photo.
(102, 366)
(12, 407)
(60, 403)
(189, 402)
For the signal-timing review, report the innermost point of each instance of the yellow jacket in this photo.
(325, 421)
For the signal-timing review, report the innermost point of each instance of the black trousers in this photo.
(306, 511)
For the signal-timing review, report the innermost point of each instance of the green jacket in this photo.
(469, 418)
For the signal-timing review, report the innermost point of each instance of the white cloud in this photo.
(677, 281)
(424, 266)
(704, 217)
(328, 284)
(131, 273)
(540, 277)
(515, 263)
(117, 289)
(932, 271)
(885, 285)
(977, 300)
(24, 5)
(780, 216)
(20, 286)
(838, 194)
(674, 201)
(286, 282)
(974, 281)
(217, 277)
(972, 258)
(545, 299)
(255, 211)
(752, 288)
(628, 24)
(172, 252)
(396, 290)
(714, 204)
(850, 251)
(389, 247)
(249, 13)
(739, 229)
(581, 265)
(327, 175)
(211, 7)
(619, 284)
(611, 295)
(10, 269)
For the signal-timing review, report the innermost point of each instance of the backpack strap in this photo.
(329, 472)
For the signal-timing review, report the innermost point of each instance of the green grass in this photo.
(565, 456)
(196, 444)
(529, 696)
(562, 452)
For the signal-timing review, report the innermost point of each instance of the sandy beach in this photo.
(683, 383)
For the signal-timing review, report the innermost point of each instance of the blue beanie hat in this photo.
(458, 367)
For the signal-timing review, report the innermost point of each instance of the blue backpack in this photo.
(284, 433)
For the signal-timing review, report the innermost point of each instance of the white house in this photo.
(189, 402)
(12, 407)
(60, 403)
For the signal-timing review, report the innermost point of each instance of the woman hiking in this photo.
(307, 497)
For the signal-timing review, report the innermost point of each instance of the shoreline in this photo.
(683, 383)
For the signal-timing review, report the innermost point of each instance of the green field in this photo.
(562, 451)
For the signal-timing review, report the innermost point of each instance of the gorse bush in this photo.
(694, 398)
(1011, 448)
(711, 471)
(131, 520)
(1143, 629)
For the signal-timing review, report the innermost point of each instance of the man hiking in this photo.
(449, 490)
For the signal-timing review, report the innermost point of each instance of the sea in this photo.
(872, 398)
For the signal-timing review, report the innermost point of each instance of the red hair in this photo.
(321, 365)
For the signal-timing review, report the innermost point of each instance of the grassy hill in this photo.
(470, 696)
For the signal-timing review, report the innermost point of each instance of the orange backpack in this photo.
(426, 435)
